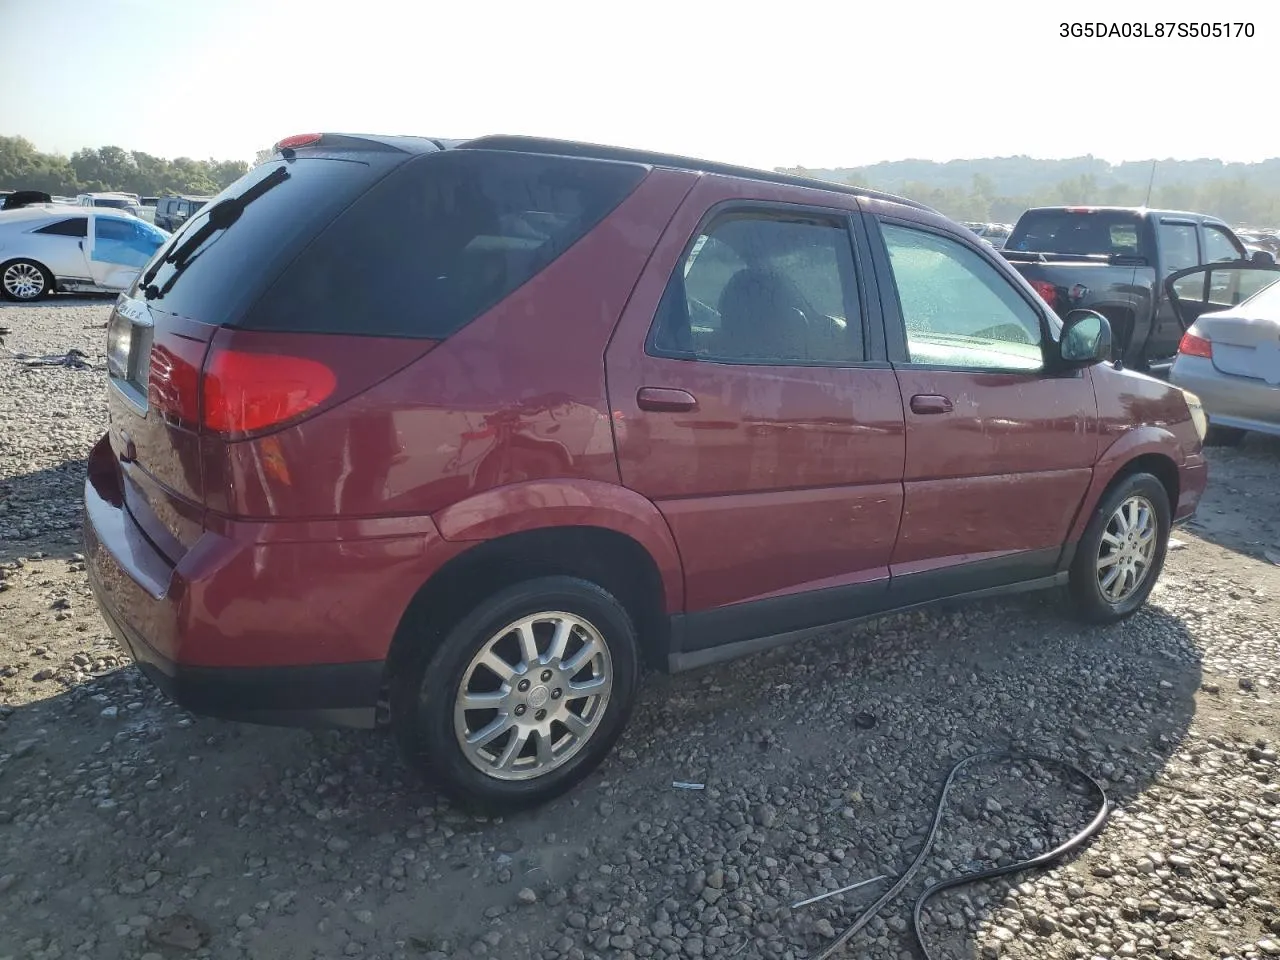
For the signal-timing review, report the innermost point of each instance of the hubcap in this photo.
(533, 696)
(24, 281)
(1127, 548)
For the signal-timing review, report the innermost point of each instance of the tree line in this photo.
(999, 189)
(23, 167)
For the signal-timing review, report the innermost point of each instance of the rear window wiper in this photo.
(219, 217)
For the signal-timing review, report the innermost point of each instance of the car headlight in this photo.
(1198, 416)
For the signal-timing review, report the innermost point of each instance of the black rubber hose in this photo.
(1075, 841)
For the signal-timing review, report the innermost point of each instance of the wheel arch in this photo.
(611, 559)
(1144, 450)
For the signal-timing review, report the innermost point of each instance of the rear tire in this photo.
(547, 738)
(1121, 554)
(24, 281)
(1224, 436)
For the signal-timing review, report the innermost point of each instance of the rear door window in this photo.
(759, 287)
(440, 241)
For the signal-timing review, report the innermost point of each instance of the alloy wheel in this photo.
(24, 281)
(533, 696)
(1127, 549)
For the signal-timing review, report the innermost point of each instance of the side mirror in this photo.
(1086, 338)
(1263, 258)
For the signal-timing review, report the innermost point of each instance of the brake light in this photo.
(1048, 292)
(1193, 346)
(246, 392)
(299, 140)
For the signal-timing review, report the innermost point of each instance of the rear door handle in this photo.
(930, 403)
(665, 400)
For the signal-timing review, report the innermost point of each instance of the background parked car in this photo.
(1230, 354)
(16, 199)
(173, 212)
(51, 247)
(126, 202)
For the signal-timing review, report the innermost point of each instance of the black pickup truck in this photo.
(1114, 260)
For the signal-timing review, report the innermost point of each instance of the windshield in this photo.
(118, 203)
(1078, 233)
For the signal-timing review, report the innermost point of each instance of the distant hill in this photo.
(1000, 188)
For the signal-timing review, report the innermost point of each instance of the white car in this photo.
(116, 201)
(73, 249)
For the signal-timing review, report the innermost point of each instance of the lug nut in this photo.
(540, 715)
(520, 708)
(522, 686)
(546, 675)
(555, 694)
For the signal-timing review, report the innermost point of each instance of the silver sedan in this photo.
(1230, 354)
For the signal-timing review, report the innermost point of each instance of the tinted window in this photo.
(1077, 232)
(1179, 246)
(232, 266)
(958, 309)
(1218, 247)
(128, 242)
(758, 287)
(110, 202)
(75, 227)
(108, 228)
(440, 241)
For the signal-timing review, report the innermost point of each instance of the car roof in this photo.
(42, 211)
(594, 151)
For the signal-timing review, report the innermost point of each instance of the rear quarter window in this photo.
(440, 240)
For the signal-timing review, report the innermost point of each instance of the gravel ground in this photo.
(129, 829)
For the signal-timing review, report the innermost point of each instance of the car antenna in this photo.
(1133, 279)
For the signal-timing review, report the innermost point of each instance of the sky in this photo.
(818, 84)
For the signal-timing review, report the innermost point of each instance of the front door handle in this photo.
(930, 403)
(665, 400)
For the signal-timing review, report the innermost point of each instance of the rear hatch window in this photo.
(1113, 233)
(441, 240)
(235, 246)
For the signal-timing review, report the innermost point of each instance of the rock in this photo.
(526, 896)
(337, 845)
(110, 713)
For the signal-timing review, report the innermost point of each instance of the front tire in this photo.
(24, 281)
(1121, 554)
(523, 697)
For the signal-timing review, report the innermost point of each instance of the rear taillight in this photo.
(173, 386)
(1048, 292)
(246, 392)
(1193, 346)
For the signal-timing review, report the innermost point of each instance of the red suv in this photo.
(457, 435)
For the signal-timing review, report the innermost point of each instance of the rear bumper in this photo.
(267, 623)
(1230, 401)
(320, 695)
